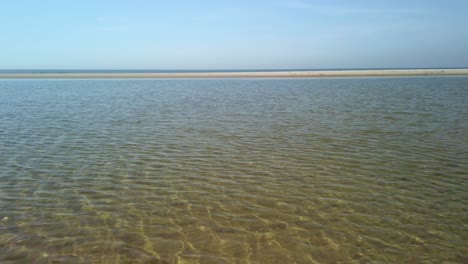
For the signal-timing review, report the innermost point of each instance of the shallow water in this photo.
(362, 170)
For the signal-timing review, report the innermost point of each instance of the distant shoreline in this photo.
(247, 74)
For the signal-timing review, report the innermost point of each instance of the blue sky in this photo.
(241, 34)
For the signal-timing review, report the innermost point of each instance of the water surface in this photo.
(361, 170)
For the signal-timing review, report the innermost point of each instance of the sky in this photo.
(238, 34)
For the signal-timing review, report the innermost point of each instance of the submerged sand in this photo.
(266, 74)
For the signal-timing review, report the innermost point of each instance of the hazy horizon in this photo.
(210, 70)
(211, 35)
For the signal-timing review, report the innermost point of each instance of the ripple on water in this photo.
(234, 171)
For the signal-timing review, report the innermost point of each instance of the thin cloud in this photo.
(111, 24)
(332, 10)
(109, 19)
(114, 29)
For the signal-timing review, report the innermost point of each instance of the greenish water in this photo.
(361, 170)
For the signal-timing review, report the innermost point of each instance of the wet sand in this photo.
(276, 74)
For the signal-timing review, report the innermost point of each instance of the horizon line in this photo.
(231, 69)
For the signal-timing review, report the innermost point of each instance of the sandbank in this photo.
(259, 74)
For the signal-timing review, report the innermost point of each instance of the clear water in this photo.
(362, 170)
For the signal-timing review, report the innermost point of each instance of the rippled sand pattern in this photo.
(234, 171)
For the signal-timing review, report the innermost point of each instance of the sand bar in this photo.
(260, 74)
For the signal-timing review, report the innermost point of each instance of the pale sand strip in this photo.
(280, 74)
